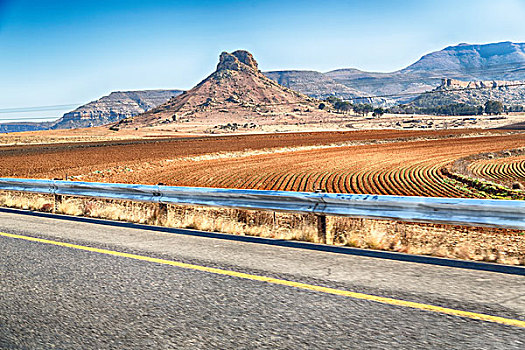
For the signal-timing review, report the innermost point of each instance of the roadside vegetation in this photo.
(451, 241)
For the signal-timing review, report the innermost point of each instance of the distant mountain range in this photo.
(107, 109)
(498, 61)
(24, 126)
(503, 61)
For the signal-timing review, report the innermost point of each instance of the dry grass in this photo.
(471, 243)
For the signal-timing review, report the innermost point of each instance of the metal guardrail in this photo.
(472, 212)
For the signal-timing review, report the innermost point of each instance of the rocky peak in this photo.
(237, 60)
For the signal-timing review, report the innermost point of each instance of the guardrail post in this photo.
(321, 228)
(321, 222)
(162, 213)
(57, 199)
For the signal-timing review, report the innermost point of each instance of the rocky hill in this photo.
(114, 107)
(474, 93)
(498, 61)
(235, 93)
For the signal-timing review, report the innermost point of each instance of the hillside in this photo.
(236, 92)
(114, 107)
(497, 61)
(320, 86)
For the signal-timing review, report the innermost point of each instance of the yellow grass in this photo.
(471, 243)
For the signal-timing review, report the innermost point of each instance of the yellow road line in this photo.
(383, 300)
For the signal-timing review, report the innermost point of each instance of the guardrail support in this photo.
(162, 213)
(321, 228)
(57, 200)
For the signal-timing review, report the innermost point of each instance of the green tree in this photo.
(332, 99)
(367, 108)
(363, 109)
(378, 112)
(344, 106)
(493, 107)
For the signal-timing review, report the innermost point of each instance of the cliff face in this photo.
(114, 107)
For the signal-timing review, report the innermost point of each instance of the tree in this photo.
(343, 106)
(479, 110)
(493, 107)
(332, 99)
(378, 112)
(358, 109)
(321, 105)
(367, 108)
(363, 109)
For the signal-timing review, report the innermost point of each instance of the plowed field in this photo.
(386, 162)
(502, 169)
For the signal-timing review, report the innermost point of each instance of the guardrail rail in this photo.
(471, 212)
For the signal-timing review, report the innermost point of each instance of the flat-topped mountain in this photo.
(496, 61)
(114, 107)
(235, 92)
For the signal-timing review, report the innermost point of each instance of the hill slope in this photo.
(236, 92)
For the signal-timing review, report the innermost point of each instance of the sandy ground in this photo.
(334, 122)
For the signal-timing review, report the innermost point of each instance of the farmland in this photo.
(508, 169)
(375, 162)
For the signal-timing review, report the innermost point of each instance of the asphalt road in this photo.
(64, 297)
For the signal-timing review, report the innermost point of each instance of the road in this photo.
(69, 284)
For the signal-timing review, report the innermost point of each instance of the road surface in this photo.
(67, 284)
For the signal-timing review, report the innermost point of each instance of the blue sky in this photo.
(72, 52)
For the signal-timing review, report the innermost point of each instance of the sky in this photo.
(67, 53)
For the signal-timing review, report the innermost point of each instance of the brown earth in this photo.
(507, 170)
(351, 162)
